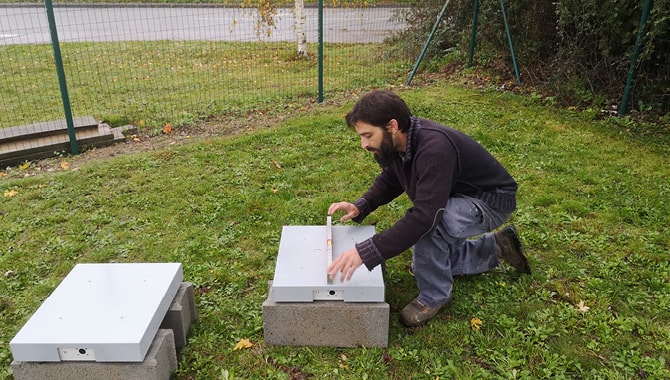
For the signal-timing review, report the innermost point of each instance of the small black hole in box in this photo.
(82, 351)
(331, 292)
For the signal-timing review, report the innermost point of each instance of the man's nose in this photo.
(365, 143)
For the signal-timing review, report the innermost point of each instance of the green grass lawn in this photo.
(593, 215)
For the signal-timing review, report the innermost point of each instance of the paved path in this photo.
(21, 25)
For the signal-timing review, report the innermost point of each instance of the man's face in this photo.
(377, 141)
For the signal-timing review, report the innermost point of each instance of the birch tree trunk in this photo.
(300, 26)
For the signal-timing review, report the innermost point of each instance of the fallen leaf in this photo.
(24, 165)
(242, 344)
(386, 358)
(476, 323)
(9, 193)
(167, 128)
(583, 308)
(343, 362)
(65, 165)
(202, 290)
(276, 164)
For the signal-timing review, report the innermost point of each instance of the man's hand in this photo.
(346, 263)
(349, 260)
(350, 210)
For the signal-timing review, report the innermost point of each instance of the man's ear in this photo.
(392, 126)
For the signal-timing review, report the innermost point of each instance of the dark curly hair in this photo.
(377, 108)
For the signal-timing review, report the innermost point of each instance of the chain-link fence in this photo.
(154, 65)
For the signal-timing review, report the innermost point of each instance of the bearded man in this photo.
(460, 195)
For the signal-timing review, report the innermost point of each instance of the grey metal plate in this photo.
(300, 273)
(100, 312)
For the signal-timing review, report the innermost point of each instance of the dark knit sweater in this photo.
(439, 163)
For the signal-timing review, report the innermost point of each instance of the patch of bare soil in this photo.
(141, 142)
(150, 141)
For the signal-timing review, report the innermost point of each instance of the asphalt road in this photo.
(22, 25)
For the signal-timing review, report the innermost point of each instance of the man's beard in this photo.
(386, 152)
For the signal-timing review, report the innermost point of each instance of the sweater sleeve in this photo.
(429, 178)
(443, 162)
(434, 168)
(384, 189)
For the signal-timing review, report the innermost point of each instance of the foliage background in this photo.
(578, 51)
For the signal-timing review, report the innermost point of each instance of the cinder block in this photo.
(159, 363)
(181, 314)
(326, 323)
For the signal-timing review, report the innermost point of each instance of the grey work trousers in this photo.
(449, 249)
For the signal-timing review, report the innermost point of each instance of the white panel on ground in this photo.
(100, 312)
(300, 273)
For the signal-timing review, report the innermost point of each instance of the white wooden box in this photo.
(100, 312)
(300, 273)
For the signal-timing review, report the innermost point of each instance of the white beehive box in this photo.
(100, 312)
(300, 274)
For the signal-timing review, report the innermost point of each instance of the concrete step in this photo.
(43, 140)
(47, 128)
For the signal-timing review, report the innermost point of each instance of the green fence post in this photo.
(475, 16)
(511, 46)
(633, 60)
(425, 46)
(61, 77)
(320, 97)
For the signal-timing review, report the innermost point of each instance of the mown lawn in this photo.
(592, 213)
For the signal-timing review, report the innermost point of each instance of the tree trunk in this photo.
(300, 26)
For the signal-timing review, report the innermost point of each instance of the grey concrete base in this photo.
(326, 323)
(159, 363)
(181, 314)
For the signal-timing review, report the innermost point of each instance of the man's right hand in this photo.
(350, 210)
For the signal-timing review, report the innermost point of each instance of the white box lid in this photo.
(300, 273)
(100, 312)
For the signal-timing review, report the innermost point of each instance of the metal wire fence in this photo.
(155, 65)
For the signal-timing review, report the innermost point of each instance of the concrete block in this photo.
(159, 363)
(181, 314)
(326, 323)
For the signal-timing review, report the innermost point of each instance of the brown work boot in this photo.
(511, 249)
(417, 313)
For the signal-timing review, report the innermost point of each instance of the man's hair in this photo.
(377, 108)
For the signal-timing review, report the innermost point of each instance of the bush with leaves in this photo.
(580, 50)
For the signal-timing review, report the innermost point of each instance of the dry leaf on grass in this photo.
(581, 307)
(476, 323)
(242, 344)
